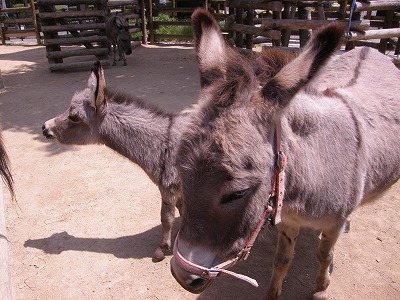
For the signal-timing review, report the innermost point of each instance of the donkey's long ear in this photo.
(291, 78)
(209, 45)
(97, 83)
(120, 20)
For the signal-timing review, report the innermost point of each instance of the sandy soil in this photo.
(89, 219)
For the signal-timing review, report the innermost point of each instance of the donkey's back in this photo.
(367, 85)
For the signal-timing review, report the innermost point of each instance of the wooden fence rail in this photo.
(177, 9)
(75, 37)
(79, 29)
(65, 32)
(375, 23)
(18, 27)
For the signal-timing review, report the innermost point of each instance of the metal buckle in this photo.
(205, 275)
(269, 209)
(243, 254)
(210, 274)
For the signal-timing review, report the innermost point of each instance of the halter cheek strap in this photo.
(278, 182)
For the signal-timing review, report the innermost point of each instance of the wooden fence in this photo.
(82, 22)
(375, 23)
(23, 23)
(67, 25)
(75, 28)
(180, 12)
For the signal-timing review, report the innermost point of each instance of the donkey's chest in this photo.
(301, 219)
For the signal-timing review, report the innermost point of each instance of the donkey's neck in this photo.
(136, 131)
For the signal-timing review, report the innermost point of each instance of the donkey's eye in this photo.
(74, 118)
(234, 196)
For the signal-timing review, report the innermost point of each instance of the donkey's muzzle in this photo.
(189, 282)
(47, 132)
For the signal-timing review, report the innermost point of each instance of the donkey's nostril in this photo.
(47, 132)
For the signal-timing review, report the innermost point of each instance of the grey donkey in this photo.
(305, 147)
(144, 134)
(118, 36)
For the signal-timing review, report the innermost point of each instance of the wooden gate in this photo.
(67, 27)
(19, 27)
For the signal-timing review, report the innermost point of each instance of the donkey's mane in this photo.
(241, 68)
(270, 62)
(118, 97)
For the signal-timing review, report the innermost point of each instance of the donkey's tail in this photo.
(5, 172)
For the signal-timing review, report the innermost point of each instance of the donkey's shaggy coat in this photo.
(340, 119)
(144, 134)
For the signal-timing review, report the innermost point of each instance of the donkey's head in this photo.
(124, 37)
(79, 124)
(226, 157)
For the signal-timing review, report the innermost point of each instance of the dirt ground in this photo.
(89, 219)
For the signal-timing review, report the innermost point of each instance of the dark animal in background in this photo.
(335, 117)
(5, 171)
(118, 36)
(144, 134)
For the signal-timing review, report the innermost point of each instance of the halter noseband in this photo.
(273, 207)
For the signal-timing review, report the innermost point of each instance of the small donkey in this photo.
(118, 36)
(145, 135)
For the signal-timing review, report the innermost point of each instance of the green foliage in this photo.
(16, 3)
(137, 36)
(163, 17)
(171, 29)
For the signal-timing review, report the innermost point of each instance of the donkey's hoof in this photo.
(158, 255)
(322, 295)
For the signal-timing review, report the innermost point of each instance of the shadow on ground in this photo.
(300, 279)
(121, 247)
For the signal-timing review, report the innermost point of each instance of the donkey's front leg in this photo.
(325, 258)
(115, 54)
(122, 54)
(167, 219)
(125, 63)
(287, 237)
